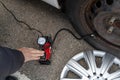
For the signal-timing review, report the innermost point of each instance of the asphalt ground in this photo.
(48, 20)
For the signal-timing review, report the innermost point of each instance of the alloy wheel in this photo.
(92, 65)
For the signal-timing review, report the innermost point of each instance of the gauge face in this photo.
(41, 41)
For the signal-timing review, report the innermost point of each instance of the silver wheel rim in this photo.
(100, 66)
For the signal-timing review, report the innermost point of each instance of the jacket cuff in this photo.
(17, 59)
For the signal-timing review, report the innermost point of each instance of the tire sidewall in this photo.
(75, 12)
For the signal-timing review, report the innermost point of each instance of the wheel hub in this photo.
(108, 26)
(97, 78)
(103, 17)
(117, 23)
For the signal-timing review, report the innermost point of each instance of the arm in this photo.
(10, 60)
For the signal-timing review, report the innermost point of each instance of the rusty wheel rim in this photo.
(103, 17)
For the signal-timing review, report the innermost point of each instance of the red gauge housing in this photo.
(46, 47)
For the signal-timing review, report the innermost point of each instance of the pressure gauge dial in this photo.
(41, 40)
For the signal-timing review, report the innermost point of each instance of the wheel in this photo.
(100, 17)
(92, 65)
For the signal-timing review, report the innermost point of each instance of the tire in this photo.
(75, 10)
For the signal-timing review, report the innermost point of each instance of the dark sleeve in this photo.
(10, 60)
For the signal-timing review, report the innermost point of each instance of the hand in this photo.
(31, 54)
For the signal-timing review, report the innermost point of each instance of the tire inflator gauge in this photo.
(45, 43)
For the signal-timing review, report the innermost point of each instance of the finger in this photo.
(37, 55)
(36, 58)
(37, 51)
(32, 49)
(29, 49)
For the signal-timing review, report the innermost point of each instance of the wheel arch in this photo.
(62, 4)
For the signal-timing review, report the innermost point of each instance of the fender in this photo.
(53, 3)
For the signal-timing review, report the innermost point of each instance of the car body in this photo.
(53, 3)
